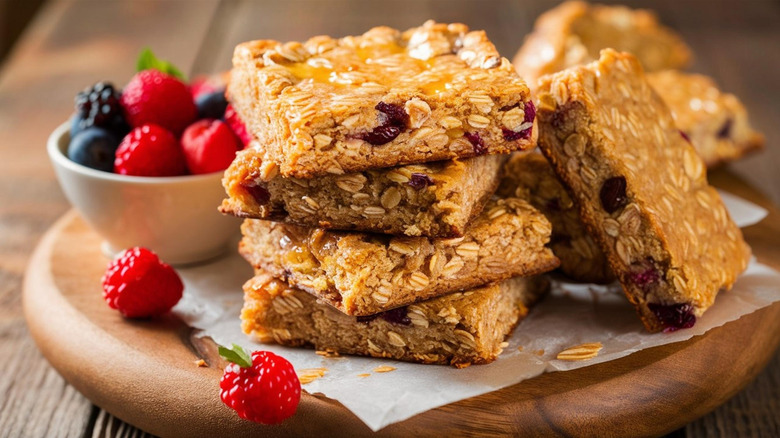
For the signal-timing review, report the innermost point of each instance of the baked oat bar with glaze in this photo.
(381, 99)
(574, 32)
(459, 329)
(528, 175)
(641, 188)
(716, 123)
(364, 274)
(433, 199)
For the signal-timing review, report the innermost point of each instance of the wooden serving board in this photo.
(144, 373)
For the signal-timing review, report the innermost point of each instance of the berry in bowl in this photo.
(143, 165)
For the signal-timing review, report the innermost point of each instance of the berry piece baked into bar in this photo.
(382, 99)
(641, 188)
(435, 199)
(363, 274)
(716, 123)
(574, 32)
(460, 329)
(528, 175)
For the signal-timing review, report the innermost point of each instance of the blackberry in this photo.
(99, 106)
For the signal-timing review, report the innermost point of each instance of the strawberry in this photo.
(262, 387)
(158, 98)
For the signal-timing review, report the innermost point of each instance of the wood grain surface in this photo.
(72, 44)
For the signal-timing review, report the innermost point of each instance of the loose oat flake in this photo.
(308, 375)
(384, 369)
(580, 352)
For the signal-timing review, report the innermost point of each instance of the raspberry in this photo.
(160, 99)
(149, 150)
(262, 388)
(139, 285)
(237, 125)
(209, 146)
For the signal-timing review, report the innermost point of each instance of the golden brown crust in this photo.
(362, 274)
(434, 199)
(715, 122)
(313, 105)
(666, 233)
(574, 32)
(459, 329)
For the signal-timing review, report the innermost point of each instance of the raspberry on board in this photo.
(155, 97)
(263, 387)
(150, 150)
(139, 285)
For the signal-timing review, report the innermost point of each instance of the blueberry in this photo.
(211, 105)
(95, 148)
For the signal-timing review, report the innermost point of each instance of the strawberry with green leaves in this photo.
(261, 386)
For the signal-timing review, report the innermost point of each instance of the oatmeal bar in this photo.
(363, 274)
(641, 188)
(434, 199)
(574, 32)
(382, 99)
(715, 122)
(460, 329)
(528, 175)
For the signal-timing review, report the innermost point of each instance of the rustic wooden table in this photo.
(71, 44)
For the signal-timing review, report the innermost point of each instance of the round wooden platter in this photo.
(144, 372)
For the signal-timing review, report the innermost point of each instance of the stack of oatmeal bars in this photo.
(396, 207)
(373, 222)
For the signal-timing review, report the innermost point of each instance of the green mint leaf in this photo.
(147, 60)
(237, 355)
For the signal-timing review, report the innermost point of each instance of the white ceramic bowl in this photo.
(176, 217)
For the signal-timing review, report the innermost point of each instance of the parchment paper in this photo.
(573, 314)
